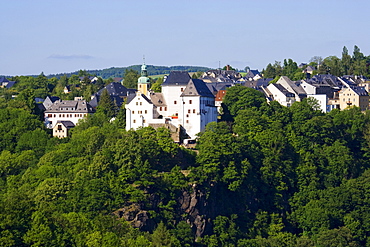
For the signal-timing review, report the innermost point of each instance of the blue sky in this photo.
(56, 36)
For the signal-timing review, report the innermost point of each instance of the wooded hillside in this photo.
(266, 176)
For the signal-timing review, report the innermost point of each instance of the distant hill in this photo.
(119, 72)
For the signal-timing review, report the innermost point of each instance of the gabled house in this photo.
(5, 83)
(354, 96)
(61, 128)
(66, 110)
(280, 94)
(218, 75)
(253, 75)
(309, 70)
(290, 86)
(88, 79)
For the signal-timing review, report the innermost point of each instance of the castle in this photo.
(184, 103)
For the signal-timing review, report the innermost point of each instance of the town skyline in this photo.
(61, 37)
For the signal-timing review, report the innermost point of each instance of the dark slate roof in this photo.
(53, 98)
(220, 85)
(177, 78)
(67, 124)
(283, 90)
(211, 88)
(3, 79)
(257, 84)
(328, 79)
(116, 91)
(131, 97)
(348, 80)
(10, 84)
(361, 91)
(197, 87)
(70, 106)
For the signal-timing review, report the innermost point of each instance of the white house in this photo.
(281, 95)
(66, 110)
(184, 102)
(289, 85)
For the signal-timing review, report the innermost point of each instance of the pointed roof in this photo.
(177, 78)
(3, 79)
(116, 91)
(197, 87)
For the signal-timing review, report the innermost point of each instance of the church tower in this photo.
(143, 81)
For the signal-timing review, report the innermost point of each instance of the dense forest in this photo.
(265, 175)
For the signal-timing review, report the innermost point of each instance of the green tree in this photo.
(106, 105)
(130, 78)
(157, 85)
(345, 61)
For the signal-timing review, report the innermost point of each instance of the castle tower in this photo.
(143, 81)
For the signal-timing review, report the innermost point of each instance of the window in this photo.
(187, 121)
(63, 115)
(176, 114)
(133, 112)
(134, 121)
(59, 127)
(143, 120)
(190, 101)
(165, 108)
(141, 103)
(145, 111)
(50, 115)
(189, 111)
(137, 103)
(193, 110)
(160, 108)
(187, 115)
(175, 102)
(182, 89)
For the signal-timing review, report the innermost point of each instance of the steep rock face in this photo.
(137, 217)
(193, 206)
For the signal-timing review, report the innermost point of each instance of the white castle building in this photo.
(184, 102)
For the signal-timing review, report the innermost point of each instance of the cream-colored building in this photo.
(354, 96)
(61, 128)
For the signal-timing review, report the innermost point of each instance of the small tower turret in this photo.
(143, 81)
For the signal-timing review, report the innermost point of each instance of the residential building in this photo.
(280, 94)
(61, 128)
(290, 86)
(354, 96)
(5, 83)
(66, 110)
